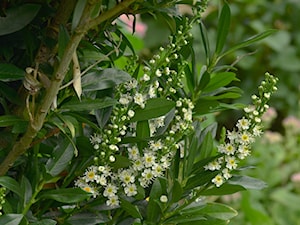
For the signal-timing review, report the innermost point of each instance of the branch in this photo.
(84, 25)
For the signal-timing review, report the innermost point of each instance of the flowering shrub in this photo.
(108, 136)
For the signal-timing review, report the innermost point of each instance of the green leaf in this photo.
(11, 184)
(104, 79)
(249, 41)
(9, 72)
(63, 40)
(26, 190)
(218, 80)
(18, 17)
(11, 219)
(153, 209)
(176, 191)
(9, 93)
(223, 28)
(204, 80)
(62, 155)
(131, 209)
(88, 218)
(142, 133)
(155, 107)
(200, 179)
(121, 162)
(45, 222)
(204, 106)
(215, 210)
(247, 182)
(88, 104)
(77, 13)
(225, 189)
(66, 195)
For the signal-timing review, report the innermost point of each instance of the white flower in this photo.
(145, 77)
(157, 170)
(133, 153)
(138, 164)
(149, 159)
(113, 201)
(226, 173)
(113, 147)
(125, 99)
(132, 84)
(243, 124)
(126, 177)
(90, 174)
(139, 99)
(95, 139)
(218, 180)
(231, 162)
(152, 92)
(102, 180)
(214, 165)
(130, 190)
(155, 145)
(110, 190)
(112, 158)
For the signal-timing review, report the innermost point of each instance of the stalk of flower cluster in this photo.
(159, 80)
(238, 142)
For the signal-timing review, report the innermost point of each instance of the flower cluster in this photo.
(238, 142)
(2, 198)
(123, 167)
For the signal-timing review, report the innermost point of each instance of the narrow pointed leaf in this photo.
(223, 28)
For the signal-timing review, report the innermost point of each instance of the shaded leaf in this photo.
(61, 158)
(131, 209)
(9, 72)
(88, 104)
(45, 222)
(63, 40)
(11, 184)
(104, 79)
(18, 17)
(77, 13)
(11, 219)
(88, 218)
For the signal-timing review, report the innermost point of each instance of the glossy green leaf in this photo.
(45, 222)
(247, 182)
(62, 155)
(18, 17)
(131, 209)
(204, 80)
(218, 80)
(11, 184)
(9, 120)
(88, 104)
(104, 79)
(223, 28)
(206, 147)
(11, 219)
(200, 179)
(249, 41)
(66, 195)
(155, 107)
(9, 72)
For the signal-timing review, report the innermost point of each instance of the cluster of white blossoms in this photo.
(141, 162)
(238, 142)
